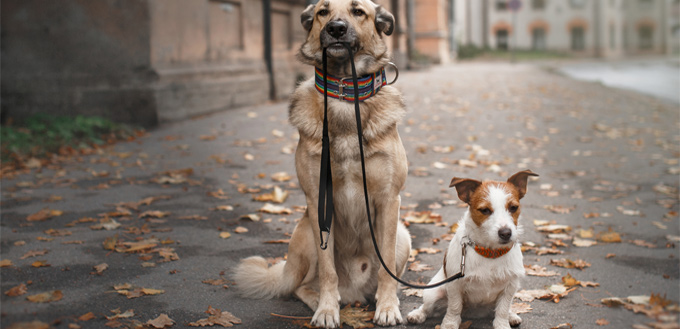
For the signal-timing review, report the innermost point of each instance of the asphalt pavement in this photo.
(157, 225)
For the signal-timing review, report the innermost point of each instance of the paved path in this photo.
(608, 160)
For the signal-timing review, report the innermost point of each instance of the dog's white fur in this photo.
(487, 282)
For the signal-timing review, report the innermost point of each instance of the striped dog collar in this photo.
(492, 253)
(343, 89)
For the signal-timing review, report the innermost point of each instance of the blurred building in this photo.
(600, 28)
(151, 61)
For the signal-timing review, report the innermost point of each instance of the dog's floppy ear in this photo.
(384, 20)
(519, 180)
(307, 18)
(465, 187)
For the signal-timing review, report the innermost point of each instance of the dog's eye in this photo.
(323, 12)
(513, 209)
(358, 12)
(485, 211)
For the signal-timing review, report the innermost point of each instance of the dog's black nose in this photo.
(505, 233)
(336, 28)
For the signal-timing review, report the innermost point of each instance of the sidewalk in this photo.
(157, 211)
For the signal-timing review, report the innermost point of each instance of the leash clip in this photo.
(324, 242)
(464, 244)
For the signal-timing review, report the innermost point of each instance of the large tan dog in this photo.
(349, 269)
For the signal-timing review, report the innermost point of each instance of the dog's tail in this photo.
(256, 279)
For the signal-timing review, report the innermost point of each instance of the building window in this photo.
(646, 37)
(538, 4)
(502, 39)
(577, 4)
(578, 41)
(646, 4)
(538, 39)
(501, 5)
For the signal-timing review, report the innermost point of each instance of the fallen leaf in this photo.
(217, 317)
(357, 317)
(99, 269)
(6, 263)
(54, 232)
(161, 321)
(86, 317)
(418, 267)
(530, 295)
(35, 324)
(602, 322)
(119, 315)
(240, 229)
(282, 241)
(277, 196)
(273, 209)
(44, 214)
(154, 214)
(252, 217)
(216, 282)
(17, 291)
(559, 209)
(40, 263)
(555, 228)
(641, 300)
(46, 297)
(609, 237)
(34, 253)
(225, 235)
(537, 270)
(430, 251)
(106, 224)
(281, 176)
(583, 243)
(422, 217)
(563, 326)
(548, 251)
(568, 263)
(224, 208)
(643, 243)
(612, 301)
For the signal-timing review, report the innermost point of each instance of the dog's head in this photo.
(494, 207)
(357, 23)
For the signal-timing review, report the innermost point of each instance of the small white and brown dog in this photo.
(490, 227)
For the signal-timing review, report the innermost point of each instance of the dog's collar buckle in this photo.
(341, 89)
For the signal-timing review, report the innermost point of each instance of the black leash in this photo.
(326, 181)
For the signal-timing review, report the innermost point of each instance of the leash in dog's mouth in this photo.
(326, 180)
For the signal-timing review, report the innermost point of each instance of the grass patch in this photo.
(43, 135)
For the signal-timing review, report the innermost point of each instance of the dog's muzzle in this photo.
(334, 35)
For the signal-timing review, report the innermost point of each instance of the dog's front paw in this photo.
(501, 324)
(388, 314)
(515, 320)
(416, 316)
(326, 317)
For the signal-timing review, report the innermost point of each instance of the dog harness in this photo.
(343, 88)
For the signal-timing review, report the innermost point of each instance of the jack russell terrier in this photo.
(490, 227)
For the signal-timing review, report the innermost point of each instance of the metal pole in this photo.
(267, 27)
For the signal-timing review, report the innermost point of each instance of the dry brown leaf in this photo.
(568, 263)
(87, 316)
(357, 317)
(44, 214)
(530, 295)
(537, 270)
(273, 209)
(34, 253)
(216, 282)
(119, 315)
(40, 263)
(17, 291)
(217, 317)
(99, 269)
(559, 209)
(46, 297)
(277, 196)
(555, 228)
(430, 251)
(643, 243)
(281, 241)
(54, 232)
(161, 321)
(6, 263)
(583, 243)
(281, 176)
(240, 229)
(548, 251)
(154, 214)
(602, 322)
(563, 326)
(35, 324)
(418, 267)
(609, 237)
(422, 217)
(225, 235)
(252, 217)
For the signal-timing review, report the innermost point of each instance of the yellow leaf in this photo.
(225, 235)
(46, 297)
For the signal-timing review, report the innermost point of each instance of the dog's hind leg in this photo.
(431, 299)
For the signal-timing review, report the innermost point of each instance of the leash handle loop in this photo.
(325, 176)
